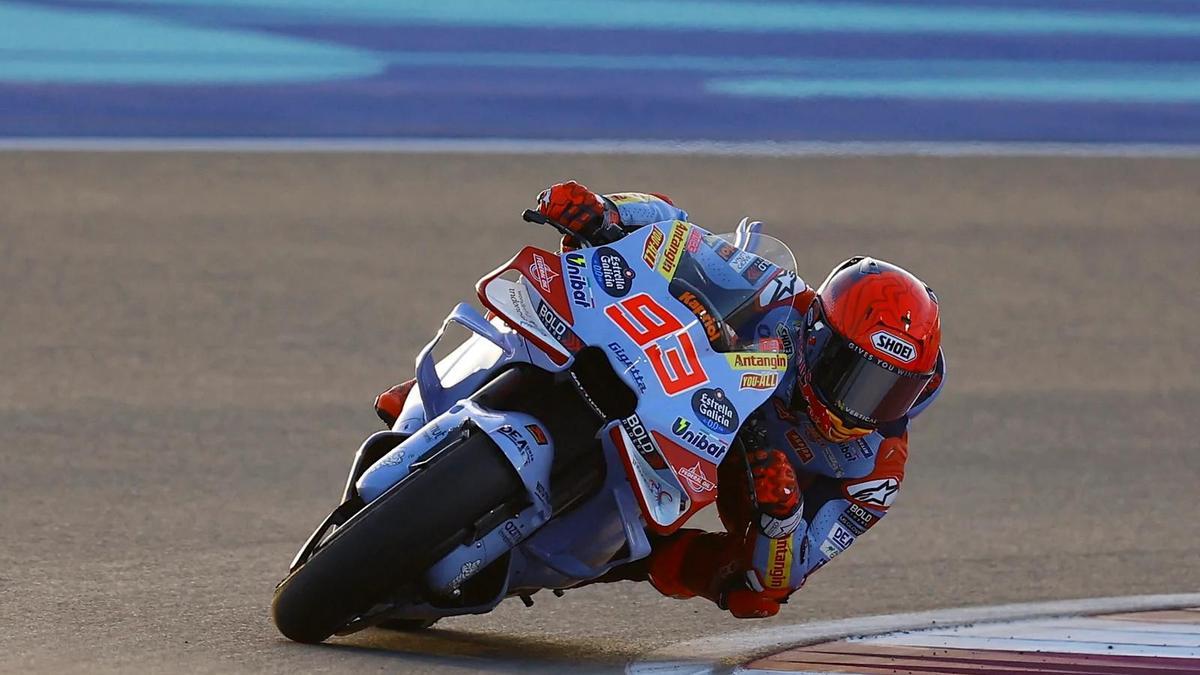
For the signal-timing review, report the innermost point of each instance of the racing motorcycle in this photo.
(587, 411)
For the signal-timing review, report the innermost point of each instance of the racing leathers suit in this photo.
(790, 499)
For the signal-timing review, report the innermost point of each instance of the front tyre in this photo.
(395, 538)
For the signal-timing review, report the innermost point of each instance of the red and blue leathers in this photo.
(790, 499)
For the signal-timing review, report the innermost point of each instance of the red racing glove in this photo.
(591, 217)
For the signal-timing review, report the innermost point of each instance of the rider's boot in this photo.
(390, 403)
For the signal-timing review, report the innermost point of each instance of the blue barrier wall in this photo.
(931, 70)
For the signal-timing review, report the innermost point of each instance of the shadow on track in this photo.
(483, 652)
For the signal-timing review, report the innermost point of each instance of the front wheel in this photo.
(395, 538)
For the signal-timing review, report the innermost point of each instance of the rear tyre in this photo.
(394, 539)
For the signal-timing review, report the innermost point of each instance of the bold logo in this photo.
(698, 439)
(612, 272)
(693, 242)
(890, 344)
(674, 249)
(541, 272)
(857, 519)
(517, 440)
(715, 411)
(650, 251)
(779, 563)
(711, 330)
(881, 492)
(695, 478)
(538, 435)
(581, 290)
(795, 440)
(755, 361)
(759, 381)
(556, 326)
(726, 251)
(642, 442)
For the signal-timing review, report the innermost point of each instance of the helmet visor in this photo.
(854, 384)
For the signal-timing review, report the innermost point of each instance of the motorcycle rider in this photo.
(822, 461)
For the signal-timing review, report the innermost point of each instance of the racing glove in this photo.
(586, 214)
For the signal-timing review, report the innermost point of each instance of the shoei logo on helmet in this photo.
(890, 344)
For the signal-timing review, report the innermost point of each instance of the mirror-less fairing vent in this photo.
(601, 384)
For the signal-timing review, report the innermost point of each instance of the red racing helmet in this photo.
(872, 337)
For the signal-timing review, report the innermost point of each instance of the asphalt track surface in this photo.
(189, 347)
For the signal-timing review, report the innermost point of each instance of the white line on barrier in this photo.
(599, 147)
(720, 652)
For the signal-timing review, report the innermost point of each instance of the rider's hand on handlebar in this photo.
(576, 208)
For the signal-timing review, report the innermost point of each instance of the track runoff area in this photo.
(1099, 636)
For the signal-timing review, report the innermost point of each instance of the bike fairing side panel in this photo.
(536, 306)
(575, 547)
(690, 394)
(560, 555)
(555, 556)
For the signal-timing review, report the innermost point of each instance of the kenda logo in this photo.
(890, 344)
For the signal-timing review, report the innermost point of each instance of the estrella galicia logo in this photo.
(613, 274)
(715, 411)
(581, 290)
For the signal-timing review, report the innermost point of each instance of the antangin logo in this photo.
(674, 249)
(887, 343)
(753, 361)
(779, 563)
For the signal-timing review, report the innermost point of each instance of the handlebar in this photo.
(605, 234)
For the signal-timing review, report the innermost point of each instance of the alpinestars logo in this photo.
(890, 344)
(880, 492)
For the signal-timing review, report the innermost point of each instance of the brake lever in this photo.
(531, 216)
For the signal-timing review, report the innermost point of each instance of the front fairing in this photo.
(693, 396)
